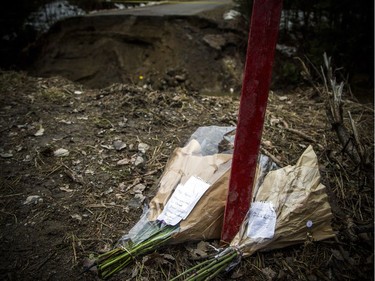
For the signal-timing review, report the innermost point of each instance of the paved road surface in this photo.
(173, 8)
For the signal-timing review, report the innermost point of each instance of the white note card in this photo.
(262, 220)
(183, 201)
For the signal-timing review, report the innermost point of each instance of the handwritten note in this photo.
(183, 200)
(262, 220)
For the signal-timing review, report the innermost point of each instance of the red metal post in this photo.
(263, 33)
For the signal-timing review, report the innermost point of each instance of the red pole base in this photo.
(263, 34)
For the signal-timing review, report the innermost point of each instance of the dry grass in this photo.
(87, 201)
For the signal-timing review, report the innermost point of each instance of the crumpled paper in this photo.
(301, 205)
(294, 192)
(205, 220)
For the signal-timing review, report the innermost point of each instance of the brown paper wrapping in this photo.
(205, 221)
(295, 192)
(297, 196)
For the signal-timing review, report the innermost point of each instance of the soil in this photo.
(61, 208)
(201, 52)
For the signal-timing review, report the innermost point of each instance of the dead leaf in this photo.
(282, 98)
(109, 147)
(274, 121)
(137, 160)
(108, 191)
(33, 199)
(6, 155)
(40, 132)
(139, 188)
(135, 272)
(337, 255)
(237, 274)
(66, 188)
(269, 273)
(76, 217)
(168, 257)
(139, 197)
(124, 161)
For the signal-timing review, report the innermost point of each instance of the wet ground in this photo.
(70, 158)
(70, 153)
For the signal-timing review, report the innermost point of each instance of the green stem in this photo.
(210, 268)
(113, 261)
(213, 275)
(199, 265)
(214, 265)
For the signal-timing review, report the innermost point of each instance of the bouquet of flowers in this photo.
(189, 204)
(290, 206)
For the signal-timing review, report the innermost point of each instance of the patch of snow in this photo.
(33, 199)
(9, 37)
(287, 50)
(50, 13)
(232, 14)
(119, 6)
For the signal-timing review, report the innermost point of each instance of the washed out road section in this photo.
(198, 52)
(174, 8)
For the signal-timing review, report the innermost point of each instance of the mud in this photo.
(203, 53)
(59, 212)
(81, 203)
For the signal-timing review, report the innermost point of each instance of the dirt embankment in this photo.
(199, 52)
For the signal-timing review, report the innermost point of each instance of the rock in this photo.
(6, 155)
(139, 197)
(61, 152)
(33, 199)
(215, 41)
(139, 188)
(269, 273)
(124, 161)
(180, 78)
(40, 132)
(119, 145)
(138, 160)
(76, 217)
(143, 147)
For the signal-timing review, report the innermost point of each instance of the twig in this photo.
(10, 195)
(333, 95)
(54, 170)
(74, 176)
(274, 158)
(74, 249)
(46, 260)
(11, 214)
(301, 134)
(357, 140)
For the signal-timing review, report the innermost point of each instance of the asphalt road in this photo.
(168, 8)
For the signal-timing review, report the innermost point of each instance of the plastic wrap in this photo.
(289, 206)
(210, 138)
(190, 201)
(292, 204)
(199, 158)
